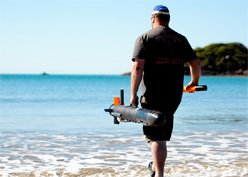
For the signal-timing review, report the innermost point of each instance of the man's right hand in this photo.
(134, 101)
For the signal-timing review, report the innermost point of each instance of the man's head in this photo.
(160, 16)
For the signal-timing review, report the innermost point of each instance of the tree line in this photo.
(223, 59)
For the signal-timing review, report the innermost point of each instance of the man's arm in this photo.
(136, 77)
(195, 72)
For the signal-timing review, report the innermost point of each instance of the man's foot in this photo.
(150, 169)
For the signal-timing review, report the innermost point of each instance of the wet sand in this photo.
(238, 169)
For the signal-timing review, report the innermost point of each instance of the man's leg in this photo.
(159, 154)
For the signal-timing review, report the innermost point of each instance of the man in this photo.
(159, 56)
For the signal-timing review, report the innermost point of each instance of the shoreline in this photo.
(190, 154)
(207, 75)
(123, 74)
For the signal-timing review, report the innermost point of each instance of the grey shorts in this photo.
(161, 133)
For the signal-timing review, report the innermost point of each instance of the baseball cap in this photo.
(160, 9)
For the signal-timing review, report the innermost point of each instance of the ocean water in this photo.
(55, 125)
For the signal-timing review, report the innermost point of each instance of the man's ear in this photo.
(153, 19)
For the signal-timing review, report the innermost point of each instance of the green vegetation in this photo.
(221, 59)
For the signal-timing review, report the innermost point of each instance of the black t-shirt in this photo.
(165, 52)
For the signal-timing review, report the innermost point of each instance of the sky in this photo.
(98, 36)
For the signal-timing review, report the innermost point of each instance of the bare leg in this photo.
(159, 154)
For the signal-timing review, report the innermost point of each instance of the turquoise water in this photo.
(55, 125)
(76, 103)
